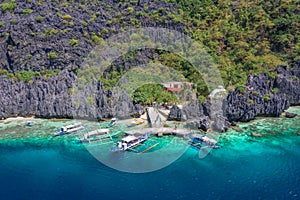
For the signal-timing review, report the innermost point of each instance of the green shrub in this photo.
(51, 31)
(90, 100)
(39, 19)
(8, 6)
(46, 73)
(105, 31)
(201, 99)
(96, 39)
(52, 55)
(70, 91)
(74, 42)
(26, 76)
(130, 10)
(2, 24)
(12, 21)
(267, 97)
(71, 24)
(4, 72)
(149, 93)
(27, 11)
(275, 90)
(240, 88)
(84, 23)
(250, 101)
(93, 18)
(67, 17)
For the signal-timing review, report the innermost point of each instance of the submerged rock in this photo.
(256, 134)
(290, 115)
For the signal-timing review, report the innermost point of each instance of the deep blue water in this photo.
(245, 167)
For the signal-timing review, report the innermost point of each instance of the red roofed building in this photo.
(176, 86)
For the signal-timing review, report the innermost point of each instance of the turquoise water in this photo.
(36, 165)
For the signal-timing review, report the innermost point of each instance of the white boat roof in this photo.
(129, 138)
(209, 139)
(94, 132)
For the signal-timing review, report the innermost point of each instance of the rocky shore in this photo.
(262, 96)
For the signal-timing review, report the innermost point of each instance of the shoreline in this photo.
(143, 117)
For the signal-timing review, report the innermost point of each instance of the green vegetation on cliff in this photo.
(244, 37)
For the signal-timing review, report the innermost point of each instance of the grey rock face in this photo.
(265, 96)
(288, 84)
(58, 97)
(202, 123)
(42, 97)
(192, 110)
(175, 114)
(27, 39)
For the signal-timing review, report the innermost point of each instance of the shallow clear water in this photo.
(36, 165)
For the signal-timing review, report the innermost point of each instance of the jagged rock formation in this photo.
(60, 34)
(202, 123)
(175, 113)
(287, 82)
(57, 97)
(263, 96)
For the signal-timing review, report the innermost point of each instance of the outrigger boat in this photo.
(69, 129)
(130, 141)
(112, 122)
(29, 123)
(98, 135)
(198, 139)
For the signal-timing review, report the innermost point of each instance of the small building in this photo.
(177, 86)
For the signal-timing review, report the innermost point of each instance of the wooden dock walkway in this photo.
(165, 131)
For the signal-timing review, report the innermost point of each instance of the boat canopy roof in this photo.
(98, 131)
(129, 138)
(197, 135)
(103, 130)
(207, 139)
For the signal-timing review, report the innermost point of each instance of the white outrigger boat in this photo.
(198, 139)
(112, 122)
(130, 141)
(98, 135)
(69, 129)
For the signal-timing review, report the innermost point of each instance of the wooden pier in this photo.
(160, 131)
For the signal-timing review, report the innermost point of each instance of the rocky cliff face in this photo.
(57, 97)
(263, 96)
(39, 35)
